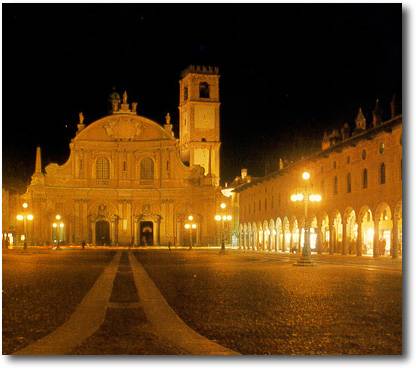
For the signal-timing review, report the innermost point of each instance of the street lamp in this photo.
(190, 225)
(25, 217)
(223, 218)
(306, 197)
(59, 229)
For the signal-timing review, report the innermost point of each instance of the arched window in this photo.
(102, 168)
(364, 154)
(203, 90)
(382, 173)
(381, 148)
(185, 93)
(147, 171)
(365, 178)
(349, 183)
(335, 185)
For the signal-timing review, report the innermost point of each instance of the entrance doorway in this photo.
(146, 233)
(102, 232)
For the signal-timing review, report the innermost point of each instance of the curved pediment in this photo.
(120, 127)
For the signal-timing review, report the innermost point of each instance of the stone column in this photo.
(112, 231)
(394, 251)
(291, 243)
(85, 226)
(135, 231)
(157, 235)
(331, 239)
(319, 239)
(359, 244)
(376, 252)
(344, 238)
(93, 232)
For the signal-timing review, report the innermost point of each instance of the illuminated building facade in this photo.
(359, 176)
(129, 181)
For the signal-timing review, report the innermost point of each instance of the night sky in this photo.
(288, 72)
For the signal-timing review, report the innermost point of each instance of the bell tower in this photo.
(199, 115)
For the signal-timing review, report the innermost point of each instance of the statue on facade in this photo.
(325, 141)
(167, 117)
(146, 209)
(81, 118)
(125, 97)
(376, 114)
(102, 210)
(345, 131)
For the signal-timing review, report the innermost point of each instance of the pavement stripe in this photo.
(123, 305)
(86, 319)
(166, 323)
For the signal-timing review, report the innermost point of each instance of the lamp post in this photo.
(223, 218)
(59, 229)
(25, 217)
(190, 225)
(306, 197)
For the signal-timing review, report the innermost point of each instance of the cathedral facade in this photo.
(129, 181)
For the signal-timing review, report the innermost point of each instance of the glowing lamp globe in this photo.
(306, 175)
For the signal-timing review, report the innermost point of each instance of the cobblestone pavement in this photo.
(41, 288)
(261, 304)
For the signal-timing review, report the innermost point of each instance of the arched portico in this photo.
(287, 243)
(241, 237)
(272, 236)
(295, 238)
(350, 232)
(325, 233)
(260, 244)
(397, 231)
(384, 229)
(314, 238)
(365, 236)
(255, 235)
(336, 233)
(280, 244)
(249, 237)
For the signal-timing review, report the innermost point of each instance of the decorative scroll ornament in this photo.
(124, 128)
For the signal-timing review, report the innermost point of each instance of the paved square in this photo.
(249, 303)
